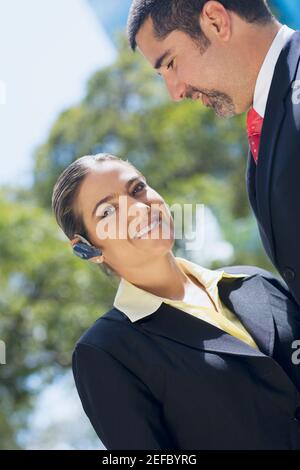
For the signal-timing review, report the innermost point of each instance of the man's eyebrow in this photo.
(114, 195)
(159, 61)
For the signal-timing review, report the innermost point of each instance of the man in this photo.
(234, 56)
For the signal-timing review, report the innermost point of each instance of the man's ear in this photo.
(215, 21)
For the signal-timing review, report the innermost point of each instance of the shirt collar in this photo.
(265, 76)
(137, 303)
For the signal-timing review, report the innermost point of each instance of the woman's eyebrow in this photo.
(114, 195)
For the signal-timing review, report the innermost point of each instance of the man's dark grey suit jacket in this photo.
(273, 184)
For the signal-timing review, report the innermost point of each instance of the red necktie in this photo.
(254, 127)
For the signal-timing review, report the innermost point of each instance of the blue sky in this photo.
(48, 50)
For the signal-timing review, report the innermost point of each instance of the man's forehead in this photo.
(148, 44)
(146, 31)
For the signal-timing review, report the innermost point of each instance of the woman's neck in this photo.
(162, 277)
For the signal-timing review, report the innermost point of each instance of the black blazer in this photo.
(274, 184)
(173, 381)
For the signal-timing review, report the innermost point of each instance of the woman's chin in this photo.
(158, 247)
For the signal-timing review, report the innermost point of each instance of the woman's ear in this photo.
(97, 259)
(83, 248)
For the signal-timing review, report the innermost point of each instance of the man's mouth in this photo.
(195, 96)
(201, 96)
(205, 100)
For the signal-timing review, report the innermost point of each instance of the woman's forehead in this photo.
(103, 180)
(111, 172)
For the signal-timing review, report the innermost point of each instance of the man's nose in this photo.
(177, 90)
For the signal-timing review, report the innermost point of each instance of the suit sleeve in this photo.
(120, 407)
(250, 271)
(273, 279)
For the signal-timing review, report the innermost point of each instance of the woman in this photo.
(187, 358)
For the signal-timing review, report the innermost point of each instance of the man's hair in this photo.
(183, 15)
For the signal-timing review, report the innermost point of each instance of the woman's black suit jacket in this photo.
(173, 381)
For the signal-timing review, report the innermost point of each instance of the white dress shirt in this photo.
(265, 76)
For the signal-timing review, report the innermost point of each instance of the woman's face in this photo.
(124, 217)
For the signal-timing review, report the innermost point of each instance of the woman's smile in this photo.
(145, 229)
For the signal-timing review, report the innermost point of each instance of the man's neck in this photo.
(260, 42)
(267, 69)
(263, 41)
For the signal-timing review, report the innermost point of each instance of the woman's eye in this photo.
(108, 211)
(139, 188)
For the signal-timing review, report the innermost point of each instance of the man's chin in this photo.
(222, 105)
(225, 114)
(223, 111)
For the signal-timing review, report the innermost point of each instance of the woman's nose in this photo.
(138, 209)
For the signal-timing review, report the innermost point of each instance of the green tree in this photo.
(48, 298)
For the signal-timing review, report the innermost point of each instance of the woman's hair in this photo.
(65, 194)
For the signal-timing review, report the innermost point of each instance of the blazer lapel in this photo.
(251, 182)
(246, 297)
(250, 301)
(284, 76)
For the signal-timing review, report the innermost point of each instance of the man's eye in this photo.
(139, 188)
(170, 64)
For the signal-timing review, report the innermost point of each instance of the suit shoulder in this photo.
(107, 329)
(276, 285)
(272, 281)
(248, 270)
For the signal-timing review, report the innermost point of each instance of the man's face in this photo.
(191, 69)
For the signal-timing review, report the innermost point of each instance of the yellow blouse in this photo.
(137, 303)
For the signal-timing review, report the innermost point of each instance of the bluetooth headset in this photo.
(83, 248)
